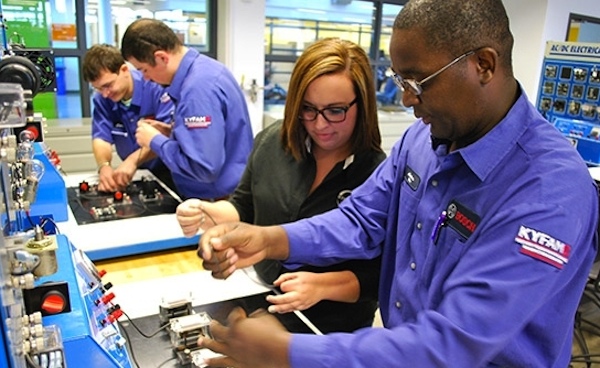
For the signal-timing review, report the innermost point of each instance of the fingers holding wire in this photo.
(221, 263)
(191, 216)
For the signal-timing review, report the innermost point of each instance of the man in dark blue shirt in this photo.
(123, 98)
(211, 136)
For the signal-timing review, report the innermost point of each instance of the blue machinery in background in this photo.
(569, 94)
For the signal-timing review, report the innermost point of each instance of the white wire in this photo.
(251, 273)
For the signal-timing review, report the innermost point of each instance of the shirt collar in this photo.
(174, 89)
(347, 162)
(484, 155)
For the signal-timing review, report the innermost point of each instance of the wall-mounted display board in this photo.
(569, 94)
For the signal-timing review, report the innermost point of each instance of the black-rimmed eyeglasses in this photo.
(415, 86)
(334, 114)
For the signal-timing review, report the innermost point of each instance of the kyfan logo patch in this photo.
(165, 98)
(195, 122)
(543, 247)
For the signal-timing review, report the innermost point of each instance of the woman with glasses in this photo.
(327, 144)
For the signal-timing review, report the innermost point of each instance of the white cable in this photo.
(255, 278)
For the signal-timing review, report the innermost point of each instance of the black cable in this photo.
(130, 346)
(140, 331)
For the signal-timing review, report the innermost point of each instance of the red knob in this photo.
(53, 302)
(84, 186)
(34, 131)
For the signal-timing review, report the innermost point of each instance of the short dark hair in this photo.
(101, 58)
(145, 36)
(459, 26)
(332, 56)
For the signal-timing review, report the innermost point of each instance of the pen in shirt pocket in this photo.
(439, 224)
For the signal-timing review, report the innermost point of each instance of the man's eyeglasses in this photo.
(335, 114)
(107, 86)
(415, 86)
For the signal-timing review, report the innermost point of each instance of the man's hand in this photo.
(258, 340)
(124, 173)
(163, 128)
(230, 246)
(301, 290)
(145, 132)
(190, 216)
(106, 182)
(225, 248)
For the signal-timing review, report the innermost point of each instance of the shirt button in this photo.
(419, 225)
(413, 266)
(398, 305)
(434, 183)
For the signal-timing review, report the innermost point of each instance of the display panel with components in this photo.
(569, 94)
(144, 197)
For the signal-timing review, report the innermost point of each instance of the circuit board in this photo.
(145, 197)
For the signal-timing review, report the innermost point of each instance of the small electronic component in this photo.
(173, 308)
(186, 330)
(104, 213)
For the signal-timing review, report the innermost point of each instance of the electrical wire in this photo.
(260, 282)
(148, 336)
(275, 291)
(48, 219)
(130, 347)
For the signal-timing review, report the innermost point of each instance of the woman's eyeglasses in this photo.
(335, 114)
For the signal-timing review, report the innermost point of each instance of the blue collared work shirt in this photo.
(212, 136)
(115, 123)
(500, 290)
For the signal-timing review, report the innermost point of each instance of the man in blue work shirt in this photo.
(123, 99)
(211, 137)
(486, 213)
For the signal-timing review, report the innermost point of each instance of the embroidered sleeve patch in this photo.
(195, 122)
(543, 247)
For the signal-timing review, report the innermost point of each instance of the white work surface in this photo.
(595, 172)
(118, 238)
(199, 287)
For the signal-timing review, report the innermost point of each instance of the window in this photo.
(291, 26)
(69, 27)
(583, 29)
